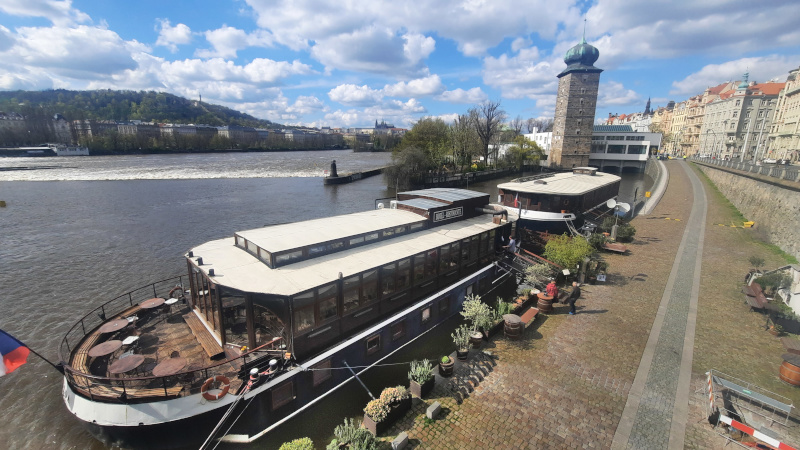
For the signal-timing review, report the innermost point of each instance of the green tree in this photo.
(567, 251)
(523, 150)
(464, 142)
(408, 166)
(431, 135)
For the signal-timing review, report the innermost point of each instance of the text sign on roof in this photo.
(446, 214)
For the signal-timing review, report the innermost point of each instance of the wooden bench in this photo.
(204, 337)
(80, 361)
(528, 317)
(115, 392)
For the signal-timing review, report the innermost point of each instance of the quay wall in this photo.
(774, 209)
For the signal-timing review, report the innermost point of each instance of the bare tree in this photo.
(464, 141)
(516, 125)
(541, 125)
(486, 118)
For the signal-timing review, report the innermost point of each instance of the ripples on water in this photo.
(96, 227)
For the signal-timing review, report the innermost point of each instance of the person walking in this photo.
(573, 297)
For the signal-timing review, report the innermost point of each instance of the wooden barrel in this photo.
(790, 369)
(545, 303)
(513, 331)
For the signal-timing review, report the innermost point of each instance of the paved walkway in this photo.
(657, 408)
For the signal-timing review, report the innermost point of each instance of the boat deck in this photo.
(161, 334)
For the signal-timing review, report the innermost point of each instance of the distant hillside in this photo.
(124, 106)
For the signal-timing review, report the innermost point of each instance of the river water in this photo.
(77, 232)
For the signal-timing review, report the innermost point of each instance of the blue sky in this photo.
(347, 63)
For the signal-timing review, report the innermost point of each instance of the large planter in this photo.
(545, 303)
(476, 339)
(397, 411)
(462, 354)
(446, 369)
(421, 390)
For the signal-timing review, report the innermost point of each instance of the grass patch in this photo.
(720, 196)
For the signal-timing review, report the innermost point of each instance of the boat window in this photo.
(357, 240)
(369, 287)
(234, 317)
(351, 292)
(373, 344)
(322, 372)
(371, 237)
(431, 259)
(398, 330)
(444, 261)
(403, 274)
(474, 248)
(416, 226)
(251, 247)
(291, 256)
(327, 303)
(455, 254)
(484, 241)
(399, 230)
(303, 318)
(465, 250)
(267, 325)
(387, 279)
(490, 242)
(426, 314)
(240, 241)
(419, 268)
(444, 306)
(282, 394)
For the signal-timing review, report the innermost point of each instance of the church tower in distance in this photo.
(575, 106)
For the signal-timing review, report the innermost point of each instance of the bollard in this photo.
(400, 441)
(433, 410)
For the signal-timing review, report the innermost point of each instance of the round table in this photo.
(152, 303)
(126, 364)
(114, 325)
(106, 348)
(169, 366)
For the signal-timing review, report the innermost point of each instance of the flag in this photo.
(13, 352)
(516, 199)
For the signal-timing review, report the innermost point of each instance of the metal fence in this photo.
(783, 172)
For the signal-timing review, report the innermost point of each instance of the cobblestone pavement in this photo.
(565, 384)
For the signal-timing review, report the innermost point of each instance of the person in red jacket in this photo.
(552, 290)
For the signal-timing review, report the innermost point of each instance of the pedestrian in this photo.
(573, 297)
(552, 290)
(512, 245)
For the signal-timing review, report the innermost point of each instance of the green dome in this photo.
(583, 54)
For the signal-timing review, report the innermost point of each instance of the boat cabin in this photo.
(305, 286)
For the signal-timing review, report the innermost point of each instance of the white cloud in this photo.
(418, 47)
(60, 12)
(307, 105)
(471, 96)
(615, 94)
(525, 74)
(420, 87)
(761, 69)
(171, 37)
(352, 95)
(226, 41)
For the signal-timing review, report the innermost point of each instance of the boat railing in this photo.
(144, 388)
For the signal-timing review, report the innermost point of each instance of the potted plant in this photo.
(393, 403)
(539, 275)
(421, 379)
(461, 339)
(775, 330)
(479, 314)
(446, 366)
(502, 308)
(351, 435)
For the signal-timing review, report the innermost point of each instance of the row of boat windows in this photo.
(319, 306)
(274, 260)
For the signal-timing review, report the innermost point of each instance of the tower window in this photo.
(583, 91)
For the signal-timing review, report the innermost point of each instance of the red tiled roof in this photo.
(717, 89)
(767, 88)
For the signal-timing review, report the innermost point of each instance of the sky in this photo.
(348, 63)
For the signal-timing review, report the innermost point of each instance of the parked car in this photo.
(769, 161)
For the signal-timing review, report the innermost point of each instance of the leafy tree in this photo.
(525, 150)
(408, 165)
(431, 135)
(568, 251)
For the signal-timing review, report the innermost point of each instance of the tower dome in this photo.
(583, 54)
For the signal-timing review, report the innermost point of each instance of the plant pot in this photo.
(774, 332)
(446, 369)
(397, 411)
(462, 354)
(421, 390)
(476, 339)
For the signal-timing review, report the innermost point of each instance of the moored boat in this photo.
(261, 321)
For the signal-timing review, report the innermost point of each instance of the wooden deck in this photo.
(210, 345)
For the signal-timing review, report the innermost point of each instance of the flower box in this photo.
(421, 390)
(397, 411)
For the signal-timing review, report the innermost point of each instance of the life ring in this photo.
(225, 384)
(178, 289)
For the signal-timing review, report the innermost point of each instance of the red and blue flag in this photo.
(13, 352)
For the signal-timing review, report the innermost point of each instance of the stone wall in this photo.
(775, 210)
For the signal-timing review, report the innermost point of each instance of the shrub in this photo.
(420, 371)
(756, 261)
(502, 309)
(461, 337)
(445, 359)
(379, 408)
(538, 274)
(298, 444)
(625, 232)
(773, 281)
(566, 251)
(597, 240)
(352, 435)
(476, 312)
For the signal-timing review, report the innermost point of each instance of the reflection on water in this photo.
(68, 246)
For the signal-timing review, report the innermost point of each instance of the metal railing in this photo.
(145, 388)
(783, 172)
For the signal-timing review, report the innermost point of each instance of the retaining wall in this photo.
(774, 209)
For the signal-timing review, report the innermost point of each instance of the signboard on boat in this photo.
(448, 214)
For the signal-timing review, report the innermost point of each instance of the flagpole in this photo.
(59, 367)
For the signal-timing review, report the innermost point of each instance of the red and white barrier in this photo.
(756, 434)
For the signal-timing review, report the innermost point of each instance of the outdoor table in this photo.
(106, 348)
(511, 319)
(169, 366)
(152, 303)
(125, 364)
(114, 325)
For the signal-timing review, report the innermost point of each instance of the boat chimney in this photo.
(211, 272)
(200, 261)
(191, 253)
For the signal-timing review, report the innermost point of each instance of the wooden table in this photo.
(169, 366)
(114, 325)
(125, 364)
(152, 303)
(106, 348)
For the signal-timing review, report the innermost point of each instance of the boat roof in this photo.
(289, 236)
(238, 269)
(447, 195)
(564, 183)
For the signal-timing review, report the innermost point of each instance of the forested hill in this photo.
(123, 106)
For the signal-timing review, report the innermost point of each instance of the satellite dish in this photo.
(611, 203)
(624, 207)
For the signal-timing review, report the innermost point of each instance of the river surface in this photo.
(79, 231)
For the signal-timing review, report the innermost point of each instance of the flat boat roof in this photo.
(565, 183)
(238, 269)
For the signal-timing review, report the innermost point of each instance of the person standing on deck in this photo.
(512, 245)
(552, 290)
(573, 297)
